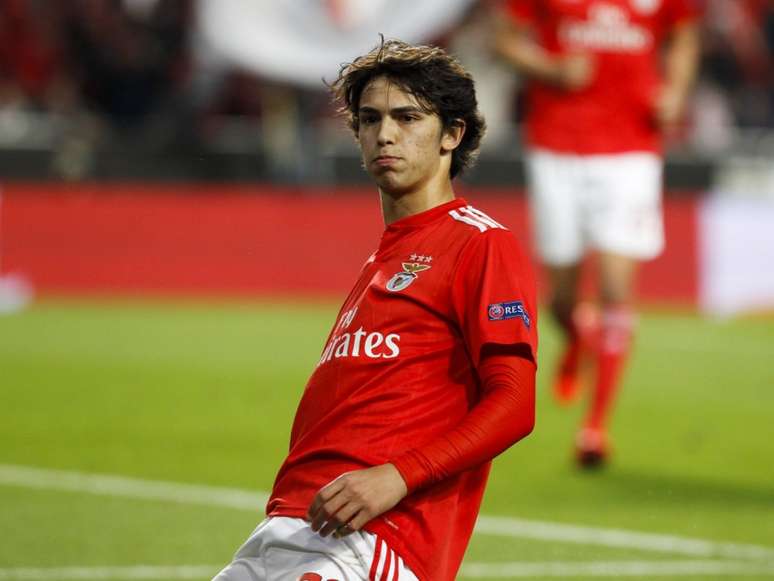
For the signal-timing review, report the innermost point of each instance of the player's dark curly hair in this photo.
(437, 80)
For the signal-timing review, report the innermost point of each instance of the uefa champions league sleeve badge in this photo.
(401, 280)
(509, 310)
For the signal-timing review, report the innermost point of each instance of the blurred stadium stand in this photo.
(117, 90)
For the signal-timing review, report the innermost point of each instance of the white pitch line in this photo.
(100, 484)
(615, 569)
(38, 478)
(619, 538)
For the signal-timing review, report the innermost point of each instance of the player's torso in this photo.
(610, 29)
(622, 36)
(395, 348)
(395, 374)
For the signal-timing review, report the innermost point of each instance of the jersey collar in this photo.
(426, 217)
(399, 228)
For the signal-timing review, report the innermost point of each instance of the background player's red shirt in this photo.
(398, 370)
(616, 112)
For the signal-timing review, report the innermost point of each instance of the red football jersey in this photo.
(398, 370)
(616, 112)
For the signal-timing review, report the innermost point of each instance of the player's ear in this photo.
(452, 135)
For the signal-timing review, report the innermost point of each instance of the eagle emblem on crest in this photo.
(404, 278)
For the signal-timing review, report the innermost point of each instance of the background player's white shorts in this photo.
(610, 203)
(287, 549)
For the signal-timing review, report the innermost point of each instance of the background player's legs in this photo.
(616, 327)
(564, 300)
(625, 226)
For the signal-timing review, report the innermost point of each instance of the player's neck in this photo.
(398, 206)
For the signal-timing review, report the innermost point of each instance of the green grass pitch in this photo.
(204, 393)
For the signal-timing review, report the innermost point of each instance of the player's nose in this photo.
(387, 132)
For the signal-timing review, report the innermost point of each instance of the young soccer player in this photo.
(428, 372)
(596, 105)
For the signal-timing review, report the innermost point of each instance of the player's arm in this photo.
(504, 415)
(514, 43)
(681, 62)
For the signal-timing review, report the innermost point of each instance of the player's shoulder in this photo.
(477, 233)
(469, 222)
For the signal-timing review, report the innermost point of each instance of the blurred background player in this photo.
(607, 79)
(429, 372)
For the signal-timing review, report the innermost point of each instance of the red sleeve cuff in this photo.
(413, 470)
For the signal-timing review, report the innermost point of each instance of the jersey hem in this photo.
(554, 148)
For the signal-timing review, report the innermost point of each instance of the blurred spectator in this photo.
(33, 66)
(127, 56)
(737, 73)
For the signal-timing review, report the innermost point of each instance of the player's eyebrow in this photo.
(394, 111)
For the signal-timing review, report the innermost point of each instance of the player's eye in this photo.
(369, 119)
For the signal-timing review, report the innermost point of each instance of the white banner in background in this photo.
(303, 41)
(736, 249)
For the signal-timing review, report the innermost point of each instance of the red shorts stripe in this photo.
(375, 562)
(388, 564)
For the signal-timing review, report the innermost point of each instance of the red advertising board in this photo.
(244, 240)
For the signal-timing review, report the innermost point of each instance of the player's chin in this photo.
(389, 180)
(394, 190)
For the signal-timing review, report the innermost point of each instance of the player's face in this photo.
(404, 147)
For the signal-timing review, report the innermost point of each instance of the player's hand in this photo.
(575, 71)
(354, 498)
(670, 107)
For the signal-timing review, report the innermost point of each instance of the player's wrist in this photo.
(553, 71)
(400, 481)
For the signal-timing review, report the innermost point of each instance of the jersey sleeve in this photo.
(504, 415)
(493, 294)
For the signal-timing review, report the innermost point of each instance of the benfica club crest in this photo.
(402, 279)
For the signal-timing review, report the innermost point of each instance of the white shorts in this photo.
(287, 549)
(610, 203)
